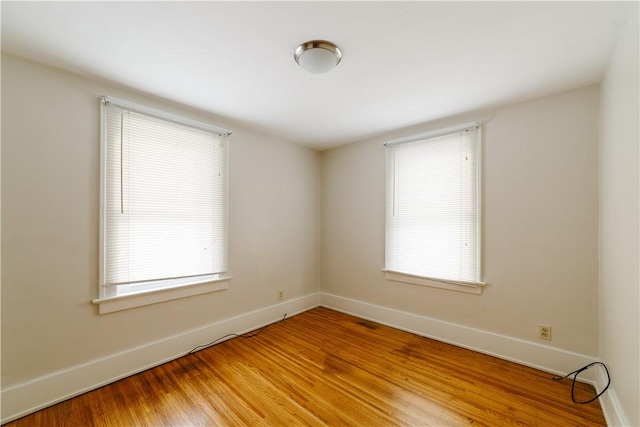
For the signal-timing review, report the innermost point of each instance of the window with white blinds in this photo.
(164, 207)
(432, 212)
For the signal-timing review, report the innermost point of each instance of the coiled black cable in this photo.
(573, 384)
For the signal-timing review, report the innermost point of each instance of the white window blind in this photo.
(164, 199)
(432, 210)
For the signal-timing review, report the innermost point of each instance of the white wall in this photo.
(540, 229)
(619, 230)
(50, 179)
(540, 226)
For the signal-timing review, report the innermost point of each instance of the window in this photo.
(432, 213)
(164, 204)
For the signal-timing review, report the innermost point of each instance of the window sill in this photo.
(153, 296)
(466, 287)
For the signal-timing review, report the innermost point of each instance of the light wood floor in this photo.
(323, 367)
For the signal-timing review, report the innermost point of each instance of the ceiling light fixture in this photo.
(318, 56)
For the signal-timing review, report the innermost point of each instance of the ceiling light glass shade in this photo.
(318, 56)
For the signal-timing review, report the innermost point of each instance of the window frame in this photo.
(151, 292)
(473, 287)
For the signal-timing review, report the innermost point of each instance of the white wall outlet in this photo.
(280, 294)
(544, 332)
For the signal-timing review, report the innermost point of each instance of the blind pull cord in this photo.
(121, 162)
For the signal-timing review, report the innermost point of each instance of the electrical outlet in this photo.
(280, 294)
(544, 332)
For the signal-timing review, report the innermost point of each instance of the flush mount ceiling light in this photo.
(318, 56)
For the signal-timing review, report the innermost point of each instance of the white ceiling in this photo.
(403, 62)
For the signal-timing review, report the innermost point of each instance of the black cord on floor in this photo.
(573, 384)
(247, 335)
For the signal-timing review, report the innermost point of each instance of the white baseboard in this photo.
(25, 398)
(534, 355)
(611, 408)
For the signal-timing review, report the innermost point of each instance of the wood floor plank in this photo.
(323, 367)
